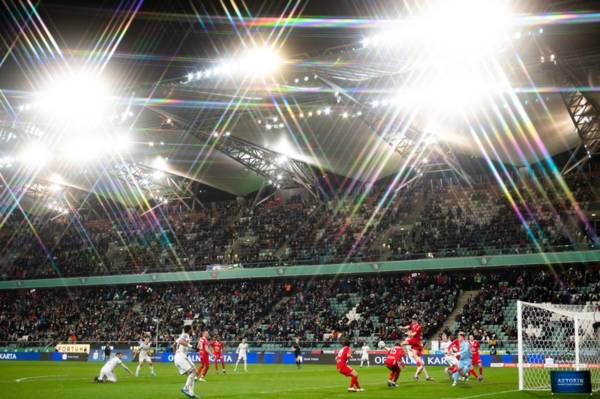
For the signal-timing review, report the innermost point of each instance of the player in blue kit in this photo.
(464, 363)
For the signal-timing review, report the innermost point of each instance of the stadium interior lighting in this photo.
(159, 163)
(260, 61)
(158, 174)
(281, 160)
(79, 98)
(122, 143)
(35, 154)
(458, 46)
(57, 183)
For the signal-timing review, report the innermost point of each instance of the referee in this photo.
(297, 352)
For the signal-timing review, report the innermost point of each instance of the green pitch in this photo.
(49, 380)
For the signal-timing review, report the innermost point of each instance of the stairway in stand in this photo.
(462, 300)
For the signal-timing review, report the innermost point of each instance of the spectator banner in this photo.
(20, 356)
(571, 381)
(309, 357)
(73, 348)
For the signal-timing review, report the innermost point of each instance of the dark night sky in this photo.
(167, 40)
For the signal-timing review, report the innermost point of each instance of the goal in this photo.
(553, 337)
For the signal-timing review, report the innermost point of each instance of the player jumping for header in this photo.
(414, 332)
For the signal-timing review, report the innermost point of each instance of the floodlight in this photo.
(122, 143)
(260, 61)
(78, 97)
(35, 154)
(83, 149)
(281, 160)
(159, 163)
(55, 188)
(158, 175)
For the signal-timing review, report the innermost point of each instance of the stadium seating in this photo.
(271, 313)
(437, 219)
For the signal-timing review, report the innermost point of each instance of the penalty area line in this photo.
(483, 395)
(39, 377)
(300, 389)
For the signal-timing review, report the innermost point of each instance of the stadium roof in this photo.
(333, 104)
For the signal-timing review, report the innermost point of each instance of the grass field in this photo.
(74, 380)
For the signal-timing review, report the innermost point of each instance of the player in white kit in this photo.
(242, 352)
(107, 372)
(183, 362)
(448, 348)
(143, 350)
(364, 355)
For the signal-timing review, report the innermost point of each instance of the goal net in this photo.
(553, 337)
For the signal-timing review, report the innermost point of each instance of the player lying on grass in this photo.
(107, 372)
(394, 362)
(143, 351)
(183, 362)
(342, 359)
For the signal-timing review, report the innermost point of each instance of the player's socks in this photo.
(481, 371)
(137, 371)
(190, 383)
(473, 373)
(152, 371)
(427, 377)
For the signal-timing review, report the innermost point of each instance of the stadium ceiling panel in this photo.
(329, 108)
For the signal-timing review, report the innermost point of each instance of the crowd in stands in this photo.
(435, 218)
(575, 285)
(277, 310)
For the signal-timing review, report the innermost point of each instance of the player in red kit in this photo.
(217, 349)
(393, 362)
(475, 358)
(413, 330)
(452, 357)
(203, 352)
(342, 366)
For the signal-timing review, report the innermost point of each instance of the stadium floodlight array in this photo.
(553, 337)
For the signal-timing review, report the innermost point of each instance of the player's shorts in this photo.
(415, 343)
(465, 365)
(107, 375)
(203, 357)
(299, 358)
(364, 357)
(393, 366)
(144, 358)
(476, 361)
(217, 356)
(451, 360)
(345, 369)
(183, 363)
(241, 357)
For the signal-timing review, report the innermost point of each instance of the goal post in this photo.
(557, 337)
